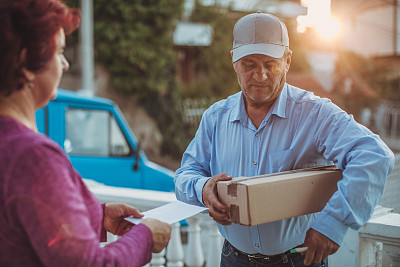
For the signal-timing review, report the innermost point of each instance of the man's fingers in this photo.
(319, 247)
(216, 209)
(319, 255)
(216, 205)
(210, 195)
(221, 218)
(309, 256)
(217, 214)
(333, 251)
(223, 177)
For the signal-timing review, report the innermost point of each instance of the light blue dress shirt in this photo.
(300, 130)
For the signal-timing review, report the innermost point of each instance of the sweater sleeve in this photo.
(48, 207)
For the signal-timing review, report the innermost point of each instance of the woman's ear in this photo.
(29, 75)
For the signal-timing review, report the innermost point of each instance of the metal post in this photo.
(87, 47)
(396, 27)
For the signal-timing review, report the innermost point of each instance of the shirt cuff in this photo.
(199, 188)
(330, 227)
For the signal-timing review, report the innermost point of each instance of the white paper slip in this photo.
(170, 213)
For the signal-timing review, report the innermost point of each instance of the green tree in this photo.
(213, 65)
(133, 41)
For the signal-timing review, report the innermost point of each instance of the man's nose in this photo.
(260, 74)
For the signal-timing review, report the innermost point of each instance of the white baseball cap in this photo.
(259, 33)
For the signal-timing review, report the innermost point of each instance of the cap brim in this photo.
(271, 50)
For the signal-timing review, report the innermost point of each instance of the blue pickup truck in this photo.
(99, 142)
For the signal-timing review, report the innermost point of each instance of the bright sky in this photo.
(319, 17)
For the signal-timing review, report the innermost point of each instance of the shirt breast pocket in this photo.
(281, 161)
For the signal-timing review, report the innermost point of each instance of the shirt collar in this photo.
(239, 112)
(278, 108)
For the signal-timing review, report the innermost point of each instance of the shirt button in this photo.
(254, 162)
(256, 245)
(257, 134)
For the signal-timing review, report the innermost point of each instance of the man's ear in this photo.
(29, 75)
(233, 63)
(288, 60)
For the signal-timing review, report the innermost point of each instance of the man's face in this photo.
(261, 77)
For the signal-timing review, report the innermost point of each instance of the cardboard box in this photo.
(271, 197)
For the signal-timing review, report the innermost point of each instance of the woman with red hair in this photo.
(47, 215)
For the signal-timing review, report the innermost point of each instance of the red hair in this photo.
(30, 25)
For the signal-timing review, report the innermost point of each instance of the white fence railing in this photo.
(377, 244)
(203, 242)
(380, 234)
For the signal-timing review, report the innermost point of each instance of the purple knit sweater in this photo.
(47, 215)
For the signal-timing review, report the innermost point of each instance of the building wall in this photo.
(387, 122)
(368, 27)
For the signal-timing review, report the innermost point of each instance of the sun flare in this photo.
(328, 28)
(319, 17)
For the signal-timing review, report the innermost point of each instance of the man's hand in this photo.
(216, 210)
(114, 214)
(319, 247)
(161, 233)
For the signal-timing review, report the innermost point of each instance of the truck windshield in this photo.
(94, 133)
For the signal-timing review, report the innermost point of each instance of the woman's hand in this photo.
(114, 214)
(161, 233)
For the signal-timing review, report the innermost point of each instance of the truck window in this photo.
(94, 133)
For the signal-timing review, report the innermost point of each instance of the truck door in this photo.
(98, 147)
(41, 120)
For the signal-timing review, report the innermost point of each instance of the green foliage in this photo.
(299, 47)
(133, 41)
(73, 38)
(213, 64)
